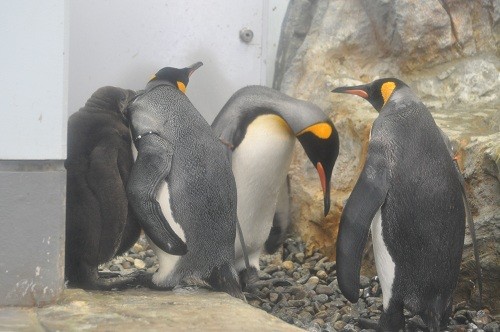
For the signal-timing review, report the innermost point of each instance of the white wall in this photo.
(33, 80)
(276, 12)
(121, 42)
(124, 42)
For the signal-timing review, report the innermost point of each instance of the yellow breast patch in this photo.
(270, 123)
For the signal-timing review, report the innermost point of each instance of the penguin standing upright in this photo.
(99, 223)
(259, 125)
(409, 191)
(181, 187)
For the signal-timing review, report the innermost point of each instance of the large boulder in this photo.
(448, 52)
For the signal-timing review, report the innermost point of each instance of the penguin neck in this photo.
(403, 98)
(104, 105)
(156, 83)
(252, 101)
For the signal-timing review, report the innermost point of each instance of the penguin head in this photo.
(111, 98)
(321, 144)
(377, 92)
(178, 77)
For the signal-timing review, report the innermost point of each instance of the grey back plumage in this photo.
(202, 188)
(424, 197)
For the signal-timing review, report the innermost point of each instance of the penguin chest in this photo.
(383, 260)
(260, 164)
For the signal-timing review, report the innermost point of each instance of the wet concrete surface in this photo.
(142, 310)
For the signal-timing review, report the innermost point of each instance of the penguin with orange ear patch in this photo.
(260, 125)
(409, 192)
(181, 187)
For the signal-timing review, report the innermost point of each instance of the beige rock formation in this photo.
(448, 52)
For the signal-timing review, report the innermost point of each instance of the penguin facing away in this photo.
(99, 222)
(409, 191)
(259, 125)
(181, 187)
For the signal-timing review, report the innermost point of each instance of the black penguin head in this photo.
(321, 144)
(178, 77)
(377, 92)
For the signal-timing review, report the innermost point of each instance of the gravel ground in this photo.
(303, 290)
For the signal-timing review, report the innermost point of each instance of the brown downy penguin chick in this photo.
(99, 223)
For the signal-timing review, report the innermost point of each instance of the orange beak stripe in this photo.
(322, 176)
(360, 93)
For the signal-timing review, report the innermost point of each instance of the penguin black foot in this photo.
(224, 279)
(105, 282)
(392, 319)
(146, 280)
(248, 277)
(368, 324)
(433, 321)
(274, 240)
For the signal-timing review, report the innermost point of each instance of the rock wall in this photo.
(448, 52)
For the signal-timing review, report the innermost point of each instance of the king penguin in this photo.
(181, 187)
(409, 191)
(99, 221)
(259, 126)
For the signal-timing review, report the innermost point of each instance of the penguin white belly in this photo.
(166, 261)
(383, 260)
(260, 164)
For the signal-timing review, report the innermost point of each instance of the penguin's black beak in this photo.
(358, 90)
(322, 148)
(191, 69)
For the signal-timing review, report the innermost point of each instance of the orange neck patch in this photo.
(386, 90)
(181, 86)
(322, 130)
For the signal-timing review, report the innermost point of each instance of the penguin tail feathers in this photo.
(437, 315)
(224, 278)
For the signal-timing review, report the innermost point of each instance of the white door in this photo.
(124, 42)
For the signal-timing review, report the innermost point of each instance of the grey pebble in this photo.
(267, 307)
(349, 328)
(324, 289)
(274, 297)
(321, 298)
(364, 281)
(339, 325)
(308, 295)
(492, 327)
(115, 268)
(300, 257)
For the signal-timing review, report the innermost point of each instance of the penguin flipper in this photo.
(105, 182)
(472, 230)
(468, 214)
(367, 197)
(229, 150)
(148, 173)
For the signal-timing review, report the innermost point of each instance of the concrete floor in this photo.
(142, 310)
